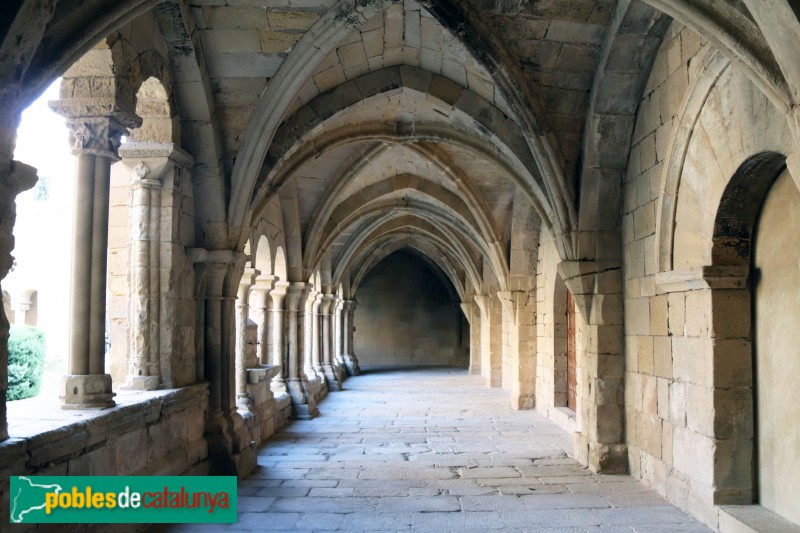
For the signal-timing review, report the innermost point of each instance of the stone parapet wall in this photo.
(160, 435)
(266, 415)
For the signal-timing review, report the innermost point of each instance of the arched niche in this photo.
(263, 256)
(280, 269)
(775, 284)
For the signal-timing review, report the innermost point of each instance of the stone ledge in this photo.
(44, 435)
(262, 373)
(565, 418)
(701, 278)
(753, 519)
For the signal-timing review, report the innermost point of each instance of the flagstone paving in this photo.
(435, 450)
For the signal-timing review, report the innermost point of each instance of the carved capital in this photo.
(99, 136)
(140, 171)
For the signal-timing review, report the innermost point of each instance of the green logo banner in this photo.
(122, 499)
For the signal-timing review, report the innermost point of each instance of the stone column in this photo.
(21, 313)
(350, 359)
(304, 405)
(95, 132)
(15, 177)
(312, 358)
(218, 273)
(277, 348)
(243, 399)
(473, 315)
(144, 316)
(337, 332)
(328, 366)
(259, 313)
(338, 350)
(491, 348)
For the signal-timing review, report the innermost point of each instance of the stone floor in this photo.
(435, 450)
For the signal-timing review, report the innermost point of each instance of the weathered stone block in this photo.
(659, 314)
(291, 20)
(699, 464)
(637, 316)
(662, 357)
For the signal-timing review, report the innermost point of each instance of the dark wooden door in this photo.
(572, 381)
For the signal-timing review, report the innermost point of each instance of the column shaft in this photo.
(331, 372)
(243, 399)
(316, 359)
(80, 290)
(350, 359)
(99, 260)
(304, 405)
(277, 337)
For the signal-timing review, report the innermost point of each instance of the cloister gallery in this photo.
(592, 204)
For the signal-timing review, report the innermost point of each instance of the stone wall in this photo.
(405, 317)
(689, 400)
(160, 435)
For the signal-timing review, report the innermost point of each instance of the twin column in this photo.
(95, 141)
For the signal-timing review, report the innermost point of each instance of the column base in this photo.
(351, 364)
(608, 458)
(340, 371)
(244, 403)
(332, 377)
(89, 391)
(141, 383)
(231, 452)
(304, 406)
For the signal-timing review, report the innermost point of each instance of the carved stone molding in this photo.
(583, 281)
(701, 278)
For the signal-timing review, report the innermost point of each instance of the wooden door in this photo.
(572, 381)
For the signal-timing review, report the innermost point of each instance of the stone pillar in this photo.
(337, 332)
(331, 373)
(312, 353)
(473, 315)
(144, 317)
(157, 353)
(243, 399)
(21, 313)
(218, 274)
(491, 365)
(277, 335)
(350, 359)
(259, 313)
(596, 291)
(95, 132)
(15, 177)
(336, 339)
(717, 325)
(304, 405)
(520, 320)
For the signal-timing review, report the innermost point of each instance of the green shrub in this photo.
(26, 348)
